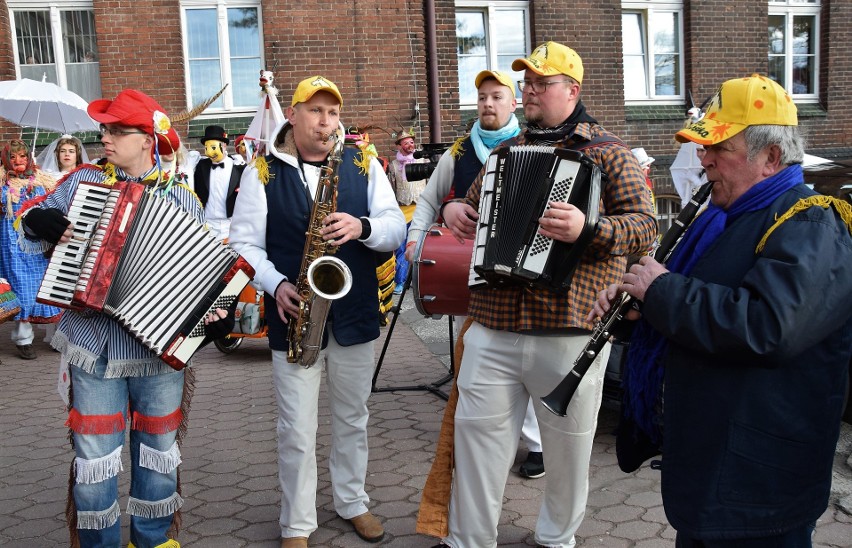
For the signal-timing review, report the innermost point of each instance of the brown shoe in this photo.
(26, 351)
(294, 542)
(368, 527)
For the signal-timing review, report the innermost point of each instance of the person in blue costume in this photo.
(23, 263)
(745, 335)
(271, 216)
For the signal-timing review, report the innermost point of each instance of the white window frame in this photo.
(789, 9)
(490, 8)
(55, 7)
(221, 7)
(648, 8)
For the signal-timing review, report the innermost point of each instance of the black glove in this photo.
(46, 224)
(223, 326)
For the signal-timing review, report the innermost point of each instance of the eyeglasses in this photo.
(119, 132)
(540, 86)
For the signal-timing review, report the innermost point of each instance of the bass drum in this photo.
(441, 273)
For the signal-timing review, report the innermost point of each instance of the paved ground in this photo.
(229, 471)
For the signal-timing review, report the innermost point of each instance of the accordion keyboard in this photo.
(66, 263)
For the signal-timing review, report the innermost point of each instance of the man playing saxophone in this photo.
(271, 216)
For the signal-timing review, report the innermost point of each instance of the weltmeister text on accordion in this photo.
(518, 185)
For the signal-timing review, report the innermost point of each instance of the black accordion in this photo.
(518, 184)
(146, 263)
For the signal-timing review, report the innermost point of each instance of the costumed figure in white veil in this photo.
(62, 156)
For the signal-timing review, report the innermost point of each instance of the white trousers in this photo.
(349, 373)
(22, 333)
(529, 431)
(500, 371)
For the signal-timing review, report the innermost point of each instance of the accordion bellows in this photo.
(517, 187)
(146, 263)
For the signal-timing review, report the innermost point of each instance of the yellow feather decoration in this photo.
(844, 209)
(456, 150)
(363, 159)
(262, 167)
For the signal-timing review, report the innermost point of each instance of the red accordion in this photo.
(147, 264)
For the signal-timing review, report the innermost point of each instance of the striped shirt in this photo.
(84, 336)
(626, 226)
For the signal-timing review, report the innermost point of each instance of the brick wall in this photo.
(7, 69)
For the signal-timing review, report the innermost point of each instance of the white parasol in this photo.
(44, 105)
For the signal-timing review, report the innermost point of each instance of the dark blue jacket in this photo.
(759, 346)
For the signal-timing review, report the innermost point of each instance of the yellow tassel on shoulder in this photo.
(457, 150)
(262, 167)
(843, 208)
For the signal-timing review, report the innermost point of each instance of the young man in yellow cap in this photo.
(751, 321)
(522, 341)
(455, 172)
(114, 378)
(268, 228)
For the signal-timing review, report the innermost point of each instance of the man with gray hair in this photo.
(745, 334)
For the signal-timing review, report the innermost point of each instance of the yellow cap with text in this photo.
(739, 103)
(309, 86)
(552, 58)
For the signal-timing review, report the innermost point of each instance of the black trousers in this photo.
(797, 538)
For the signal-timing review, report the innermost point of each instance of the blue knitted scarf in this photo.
(643, 371)
(484, 140)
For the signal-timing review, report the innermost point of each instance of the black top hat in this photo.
(215, 132)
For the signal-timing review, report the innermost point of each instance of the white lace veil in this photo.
(46, 159)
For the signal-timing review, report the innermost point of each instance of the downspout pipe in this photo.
(432, 75)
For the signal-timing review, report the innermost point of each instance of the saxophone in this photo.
(322, 278)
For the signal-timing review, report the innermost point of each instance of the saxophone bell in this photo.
(329, 278)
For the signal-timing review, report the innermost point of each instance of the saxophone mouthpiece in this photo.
(325, 137)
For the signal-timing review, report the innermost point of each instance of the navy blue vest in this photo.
(354, 317)
(467, 168)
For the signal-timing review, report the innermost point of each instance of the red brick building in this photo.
(402, 64)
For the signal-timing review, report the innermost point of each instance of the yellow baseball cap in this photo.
(552, 58)
(739, 103)
(309, 86)
(501, 77)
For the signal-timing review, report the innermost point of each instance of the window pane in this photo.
(206, 78)
(632, 34)
(81, 53)
(804, 59)
(511, 33)
(470, 33)
(776, 70)
(32, 29)
(665, 32)
(776, 34)
(469, 67)
(244, 81)
(243, 33)
(635, 78)
(202, 34)
(471, 51)
(205, 71)
(666, 35)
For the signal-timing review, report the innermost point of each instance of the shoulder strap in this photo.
(600, 140)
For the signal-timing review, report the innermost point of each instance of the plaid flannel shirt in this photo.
(626, 226)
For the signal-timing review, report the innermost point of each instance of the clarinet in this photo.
(558, 399)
